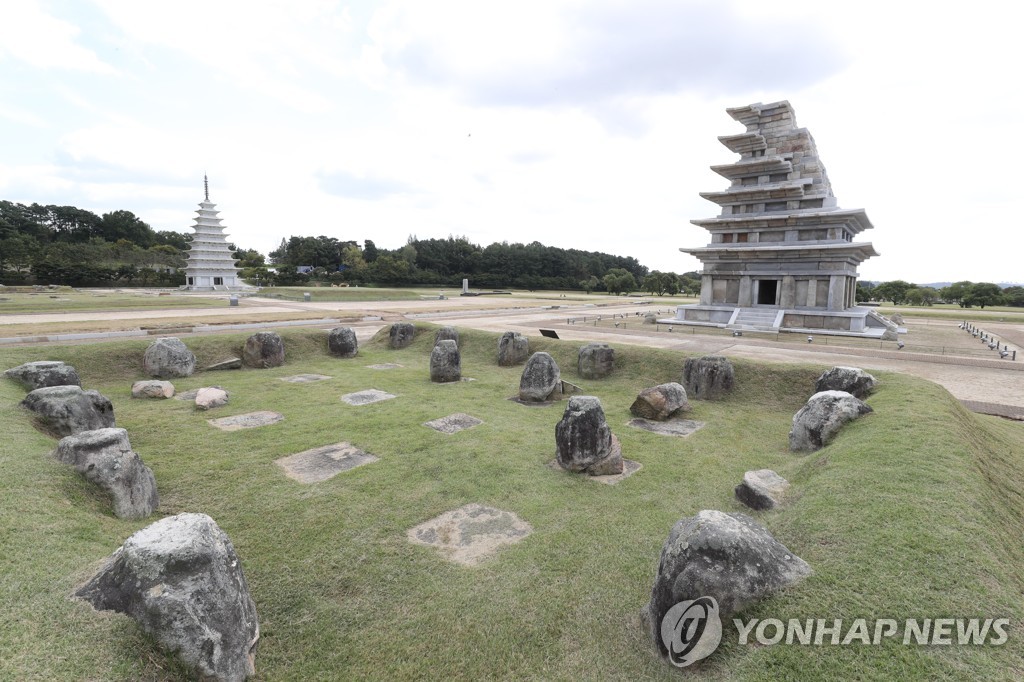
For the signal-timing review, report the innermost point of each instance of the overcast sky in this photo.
(584, 124)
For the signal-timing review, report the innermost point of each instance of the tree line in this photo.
(965, 294)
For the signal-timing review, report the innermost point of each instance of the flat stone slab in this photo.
(454, 423)
(673, 427)
(386, 365)
(470, 534)
(322, 463)
(367, 397)
(246, 421)
(305, 378)
(629, 467)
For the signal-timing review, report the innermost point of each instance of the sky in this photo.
(587, 124)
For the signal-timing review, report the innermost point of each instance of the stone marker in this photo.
(445, 362)
(854, 381)
(583, 441)
(401, 335)
(595, 361)
(470, 534)
(447, 333)
(897, 319)
(817, 422)
(210, 397)
(761, 489)
(263, 350)
(708, 378)
(105, 457)
(230, 363)
(660, 402)
(305, 378)
(67, 410)
(152, 388)
(367, 397)
(729, 557)
(44, 373)
(342, 342)
(540, 379)
(323, 463)
(650, 318)
(182, 581)
(168, 357)
(672, 427)
(191, 395)
(249, 420)
(453, 423)
(513, 348)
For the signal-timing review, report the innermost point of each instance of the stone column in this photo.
(705, 290)
(812, 292)
(745, 291)
(787, 297)
(836, 292)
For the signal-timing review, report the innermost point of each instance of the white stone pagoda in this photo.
(211, 265)
(783, 255)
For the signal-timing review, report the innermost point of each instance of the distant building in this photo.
(211, 265)
(782, 255)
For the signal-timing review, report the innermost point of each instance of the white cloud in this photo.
(30, 35)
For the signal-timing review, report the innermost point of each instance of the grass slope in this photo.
(914, 511)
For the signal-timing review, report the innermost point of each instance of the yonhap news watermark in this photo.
(692, 630)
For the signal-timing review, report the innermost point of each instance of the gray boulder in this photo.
(401, 335)
(263, 350)
(595, 361)
(445, 362)
(761, 489)
(181, 580)
(854, 381)
(708, 378)
(513, 348)
(817, 422)
(43, 373)
(168, 357)
(152, 388)
(450, 333)
(650, 318)
(67, 410)
(210, 397)
(583, 441)
(105, 457)
(541, 377)
(341, 342)
(660, 402)
(726, 556)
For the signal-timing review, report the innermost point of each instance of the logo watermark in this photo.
(692, 630)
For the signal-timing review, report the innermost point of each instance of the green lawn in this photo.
(66, 300)
(914, 512)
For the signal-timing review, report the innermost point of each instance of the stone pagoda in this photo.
(783, 255)
(211, 265)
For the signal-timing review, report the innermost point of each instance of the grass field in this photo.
(66, 300)
(914, 511)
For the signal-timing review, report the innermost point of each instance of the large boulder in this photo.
(761, 489)
(660, 402)
(854, 381)
(67, 410)
(263, 350)
(210, 397)
(43, 373)
(708, 378)
(541, 378)
(105, 457)
(168, 357)
(445, 362)
(152, 388)
(817, 422)
(181, 580)
(729, 557)
(450, 333)
(341, 342)
(513, 348)
(595, 361)
(583, 441)
(401, 335)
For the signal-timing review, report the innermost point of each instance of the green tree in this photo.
(1014, 296)
(922, 296)
(619, 280)
(955, 292)
(370, 252)
(895, 291)
(982, 294)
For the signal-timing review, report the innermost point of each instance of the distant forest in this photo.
(68, 245)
